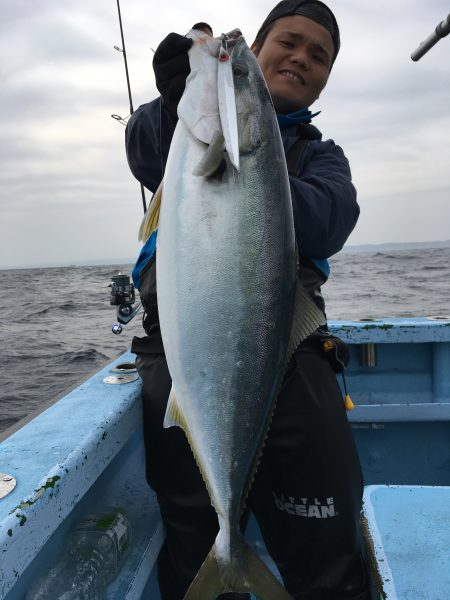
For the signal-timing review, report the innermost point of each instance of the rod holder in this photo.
(368, 355)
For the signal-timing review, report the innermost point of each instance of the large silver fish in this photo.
(230, 311)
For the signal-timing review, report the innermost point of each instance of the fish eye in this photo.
(240, 71)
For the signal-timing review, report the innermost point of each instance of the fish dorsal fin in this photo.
(213, 157)
(306, 318)
(173, 416)
(198, 108)
(151, 218)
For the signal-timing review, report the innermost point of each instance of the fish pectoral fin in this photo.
(307, 317)
(151, 218)
(244, 572)
(213, 158)
(173, 416)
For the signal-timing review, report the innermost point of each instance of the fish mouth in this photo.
(229, 40)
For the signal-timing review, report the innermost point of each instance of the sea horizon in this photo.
(356, 248)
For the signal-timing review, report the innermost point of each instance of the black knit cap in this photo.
(312, 9)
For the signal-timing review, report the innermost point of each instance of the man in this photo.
(307, 491)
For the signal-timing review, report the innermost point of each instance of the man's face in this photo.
(295, 60)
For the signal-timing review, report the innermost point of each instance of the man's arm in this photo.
(324, 201)
(147, 141)
(150, 129)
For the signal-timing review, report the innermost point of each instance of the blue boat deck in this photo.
(86, 450)
(408, 533)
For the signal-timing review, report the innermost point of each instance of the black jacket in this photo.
(323, 196)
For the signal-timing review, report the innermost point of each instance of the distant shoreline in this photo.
(389, 246)
(352, 249)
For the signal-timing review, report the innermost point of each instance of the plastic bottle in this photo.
(90, 560)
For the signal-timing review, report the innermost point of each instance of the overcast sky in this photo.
(66, 193)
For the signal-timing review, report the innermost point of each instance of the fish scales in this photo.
(226, 277)
(225, 309)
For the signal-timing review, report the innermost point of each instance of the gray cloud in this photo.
(62, 156)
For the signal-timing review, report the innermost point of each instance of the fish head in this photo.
(255, 113)
(198, 108)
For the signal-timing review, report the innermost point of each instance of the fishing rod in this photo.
(122, 288)
(441, 31)
(124, 53)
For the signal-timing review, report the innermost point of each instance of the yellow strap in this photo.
(348, 403)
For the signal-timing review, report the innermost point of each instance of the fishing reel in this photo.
(123, 296)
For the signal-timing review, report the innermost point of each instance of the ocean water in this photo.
(56, 322)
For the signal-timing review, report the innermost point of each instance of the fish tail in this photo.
(246, 572)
